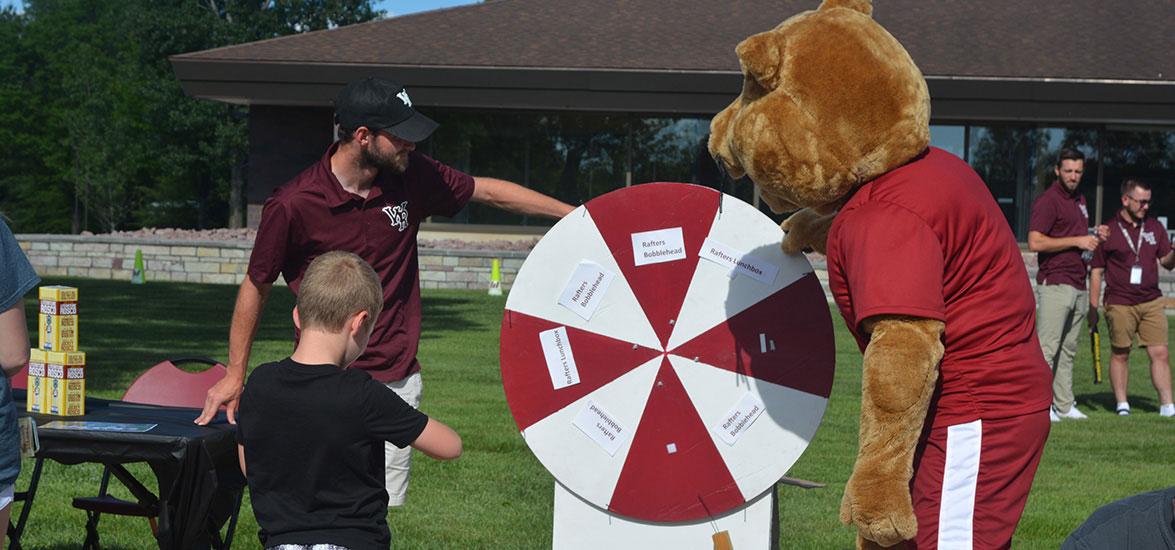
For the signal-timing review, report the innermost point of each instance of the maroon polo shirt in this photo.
(312, 214)
(1058, 213)
(1117, 257)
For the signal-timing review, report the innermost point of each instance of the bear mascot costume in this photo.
(833, 119)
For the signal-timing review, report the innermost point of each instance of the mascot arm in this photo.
(806, 230)
(899, 374)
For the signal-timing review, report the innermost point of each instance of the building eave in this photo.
(668, 92)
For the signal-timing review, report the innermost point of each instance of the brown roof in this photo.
(1077, 60)
(1084, 39)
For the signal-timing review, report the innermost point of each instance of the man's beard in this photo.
(395, 163)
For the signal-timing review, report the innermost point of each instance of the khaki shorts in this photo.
(1148, 320)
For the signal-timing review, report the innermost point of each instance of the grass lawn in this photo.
(498, 495)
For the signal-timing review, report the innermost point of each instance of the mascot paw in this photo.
(866, 544)
(806, 230)
(881, 512)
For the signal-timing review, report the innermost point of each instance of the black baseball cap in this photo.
(381, 104)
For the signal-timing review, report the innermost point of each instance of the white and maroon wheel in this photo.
(662, 357)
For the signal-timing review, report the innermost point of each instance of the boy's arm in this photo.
(437, 441)
(241, 458)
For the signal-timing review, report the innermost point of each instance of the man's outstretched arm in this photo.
(1039, 242)
(251, 300)
(517, 199)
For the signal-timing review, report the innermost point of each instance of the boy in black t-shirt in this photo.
(311, 431)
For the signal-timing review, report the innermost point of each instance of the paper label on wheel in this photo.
(560, 361)
(654, 247)
(601, 427)
(738, 420)
(739, 262)
(586, 289)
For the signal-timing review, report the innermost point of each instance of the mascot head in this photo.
(830, 100)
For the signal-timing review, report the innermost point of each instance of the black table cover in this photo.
(196, 466)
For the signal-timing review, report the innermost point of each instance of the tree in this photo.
(93, 115)
(31, 192)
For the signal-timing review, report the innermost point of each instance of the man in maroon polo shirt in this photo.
(1130, 260)
(1058, 232)
(368, 195)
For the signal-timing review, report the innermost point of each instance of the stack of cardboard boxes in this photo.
(57, 369)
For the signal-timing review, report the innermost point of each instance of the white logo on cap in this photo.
(403, 95)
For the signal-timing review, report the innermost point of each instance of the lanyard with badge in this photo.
(1136, 269)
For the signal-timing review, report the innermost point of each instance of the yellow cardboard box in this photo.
(58, 332)
(58, 321)
(37, 383)
(66, 391)
(58, 293)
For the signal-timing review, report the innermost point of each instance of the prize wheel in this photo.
(662, 357)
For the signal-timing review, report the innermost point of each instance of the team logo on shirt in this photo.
(1084, 212)
(1149, 238)
(398, 215)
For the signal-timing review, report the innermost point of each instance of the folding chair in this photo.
(16, 525)
(167, 385)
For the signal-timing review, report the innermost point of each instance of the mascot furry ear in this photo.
(788, 130)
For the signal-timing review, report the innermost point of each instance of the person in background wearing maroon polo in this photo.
(368, 195)
(1058, 232)
(1130, 260)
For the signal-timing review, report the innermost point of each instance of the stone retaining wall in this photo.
(224, 262)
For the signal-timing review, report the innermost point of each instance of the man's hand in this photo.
(227, 392)
(1168, 261)
(251, 300)
(1088, 242)
(1103, 232)
(1092, 317)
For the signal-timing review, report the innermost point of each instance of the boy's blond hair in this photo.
(336, 286)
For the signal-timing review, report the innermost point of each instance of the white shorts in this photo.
(7, 494)
(397, 461)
